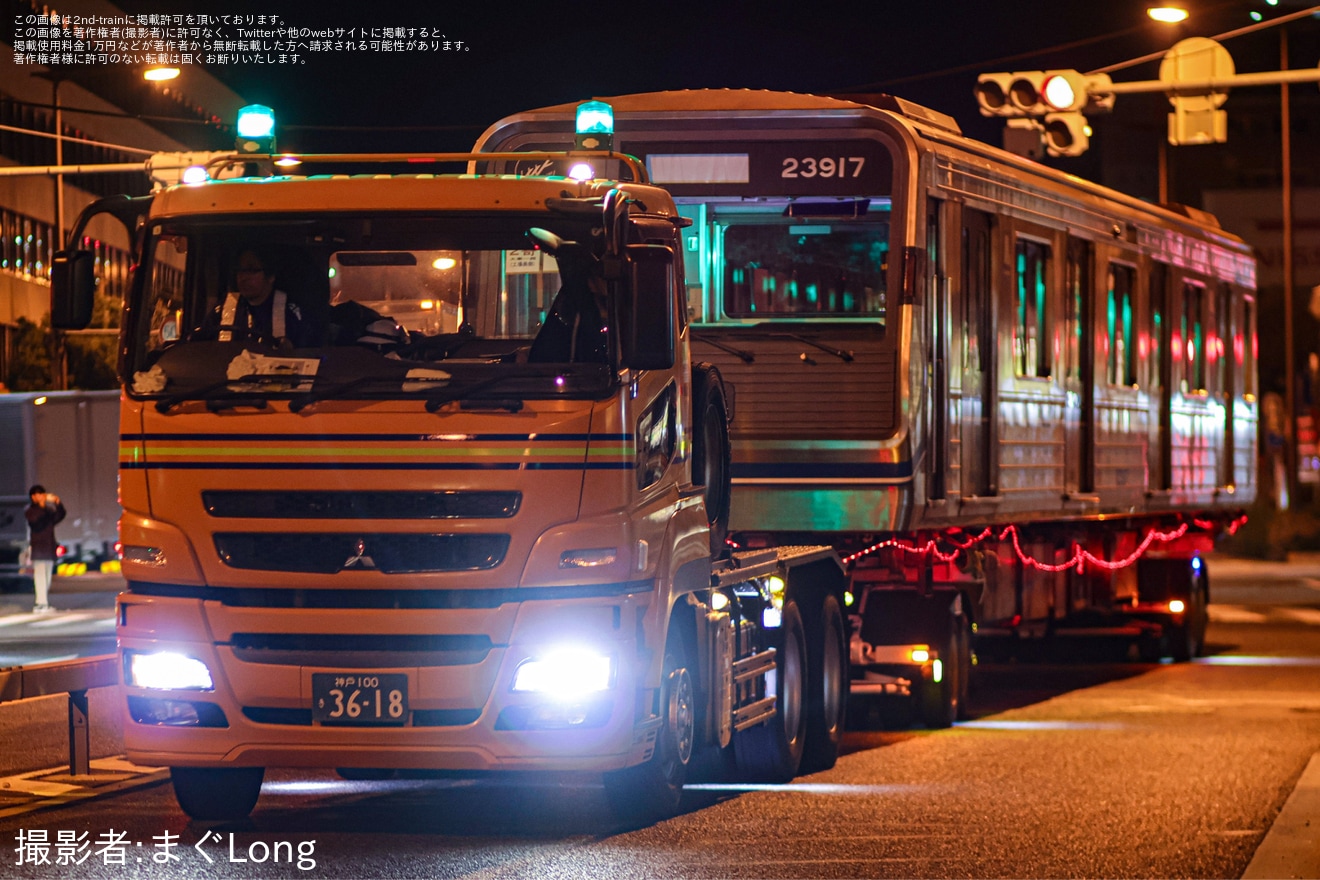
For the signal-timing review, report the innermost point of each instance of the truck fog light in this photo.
(166, 670)
(772, 617)
(142, 555)
(919, 654)
(565, 674)
(1177, 606)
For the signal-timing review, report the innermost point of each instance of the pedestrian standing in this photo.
(42, 514)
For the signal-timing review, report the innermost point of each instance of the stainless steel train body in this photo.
(928, 336)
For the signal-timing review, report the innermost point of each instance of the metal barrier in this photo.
(74, 677)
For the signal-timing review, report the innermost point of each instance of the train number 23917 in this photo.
(842, 166)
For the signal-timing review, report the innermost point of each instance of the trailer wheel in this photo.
(711, 461)
(942, 701)
(772, 751)
(654, 789)
(224, 793)
(827, 686)
(1187, 639)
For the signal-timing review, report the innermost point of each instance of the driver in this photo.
(256, 310)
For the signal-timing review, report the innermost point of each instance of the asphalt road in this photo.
(1068, 769)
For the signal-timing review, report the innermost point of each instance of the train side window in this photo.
(1031, 327)
(1189, 338)
(1121, 363)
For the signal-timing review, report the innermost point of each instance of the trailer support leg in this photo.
(79, 740)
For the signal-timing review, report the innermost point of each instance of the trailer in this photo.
(1022, 406)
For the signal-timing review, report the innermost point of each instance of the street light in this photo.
(1167, 14)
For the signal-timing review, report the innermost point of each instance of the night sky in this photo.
(524, 55)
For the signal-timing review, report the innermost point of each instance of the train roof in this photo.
(742, 106)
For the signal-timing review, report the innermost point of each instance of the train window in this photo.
(1191, 336)
(1121, 363)
(799, 268)
(1031, 337)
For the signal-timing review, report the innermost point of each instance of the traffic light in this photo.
(1067, 134)
(256, 130)
(1057, 97)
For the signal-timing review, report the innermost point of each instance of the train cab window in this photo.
(1031, 328)
(796, 267)
(1189, 338)
(1121, 364)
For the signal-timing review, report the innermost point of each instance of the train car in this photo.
(1021, 404)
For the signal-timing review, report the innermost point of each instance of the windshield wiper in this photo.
(745, 356)
(304, 399)
(220, 390)
(837, 352)
(435, 401)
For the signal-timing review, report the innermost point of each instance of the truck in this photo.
(479, 526)
(68, 442)
(1021, 406)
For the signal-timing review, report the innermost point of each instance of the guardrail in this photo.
(74, 677)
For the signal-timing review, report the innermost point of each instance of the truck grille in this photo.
(339, 651)
(361, 505)
(389, 553)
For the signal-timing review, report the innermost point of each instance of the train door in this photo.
(1226, 386)
(938, 316)
(1159, 378)
(1079, 370)
(978, 353)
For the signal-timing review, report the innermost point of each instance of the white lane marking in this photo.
(63, 618)
(11, 619)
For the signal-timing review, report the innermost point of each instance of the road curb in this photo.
(46, 789)
(1292, 846)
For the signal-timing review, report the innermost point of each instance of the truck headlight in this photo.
(166, 670)
(565, 673)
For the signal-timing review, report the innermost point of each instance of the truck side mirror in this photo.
(72, 289)
(646, 309)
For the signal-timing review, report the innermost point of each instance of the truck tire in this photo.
(1187, 639)
(711, 460)
(827, 685)
(942, 701)
(653, 790)
(210, 793)
(772, 751)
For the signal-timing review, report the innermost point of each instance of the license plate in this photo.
(359, 698)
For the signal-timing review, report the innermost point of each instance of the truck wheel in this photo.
(827, 687)
(1187, 639)
(217, 792)
(941, 701)
(710, 451)
(772, 751)
(653, 790)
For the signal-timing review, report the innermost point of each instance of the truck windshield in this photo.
(369, 305)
